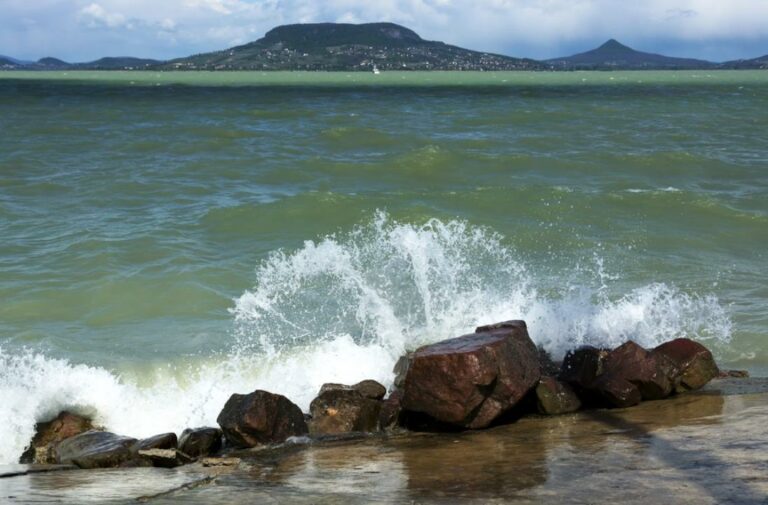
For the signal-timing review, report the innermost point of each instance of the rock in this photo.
(471, 380)
(162, 441)
(547, 365)
(694, 362)
(735, 374)
(652, 374)
(582, 366)
(342, 409)
(41, 448)
(554, 397)
(97, 449)
(401, 369)
(370, 389)
(260, 418)
(210, 462)
(200, 442)
(617, 391)
(165, 458)
(391, 408)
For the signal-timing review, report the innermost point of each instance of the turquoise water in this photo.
(171, 238)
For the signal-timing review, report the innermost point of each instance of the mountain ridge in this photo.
(385, 46)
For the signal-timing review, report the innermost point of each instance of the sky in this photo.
(84, 30)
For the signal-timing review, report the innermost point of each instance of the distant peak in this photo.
(613, 44)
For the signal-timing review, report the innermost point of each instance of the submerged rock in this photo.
(260, 418)
(41, 448)
(97, 449)
(694, 362)
(554, 397)
(471, 380)
(200, 442)
(345, 409)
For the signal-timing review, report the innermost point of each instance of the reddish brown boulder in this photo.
(617, 391)
(554, 397)
(652, 374)
(260, 418)
(471, 380)
(342, 409)
(48, 434)
(694, 363)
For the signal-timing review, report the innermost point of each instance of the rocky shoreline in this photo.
(492, 377)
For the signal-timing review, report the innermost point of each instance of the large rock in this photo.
(97, 449)
(200, 442)
(260, 418)
(694, 362)
(651, 373)
(582, 366)
(344, 409)
(554, 397)
(41, 448)
(165, 458)
(471, 380)
(162, 441)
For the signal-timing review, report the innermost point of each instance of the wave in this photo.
(343, 308)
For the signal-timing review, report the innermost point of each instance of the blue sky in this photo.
(83, 30)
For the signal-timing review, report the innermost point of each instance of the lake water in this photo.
(171, 238)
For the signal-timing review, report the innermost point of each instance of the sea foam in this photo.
(343, 308)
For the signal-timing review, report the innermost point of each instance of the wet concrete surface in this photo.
(708, 447)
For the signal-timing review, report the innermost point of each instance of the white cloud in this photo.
(537, 28)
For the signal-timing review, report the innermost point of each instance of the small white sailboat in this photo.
(376, 70)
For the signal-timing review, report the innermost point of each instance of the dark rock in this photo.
(694, 363)
(582, 366)
(97, 449)
(617, 391)
(162, 441)
(401, 369)
(370, 389)
(341, 409)
(391, 408)
(260, 418)
(471, 380)
(554, 397)
(547, 365)
(651, 373)
(735, 374)
(165, 458)
(200, 442)
(42, 446)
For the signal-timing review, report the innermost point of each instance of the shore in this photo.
(702, 447)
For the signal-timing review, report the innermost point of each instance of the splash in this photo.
(344, 308)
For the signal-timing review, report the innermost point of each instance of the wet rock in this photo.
(554, 397)
(162, 441)
(401, 369)
(694, 362)
(260, 418)
(342, 409)
(391, 409)
(165, 458)
(471, 380)
(651, 373)
(41, 448)
(370, 389)
(213, 462)
(735, 374)
(617, 391)
(200, 442)
(582, 366)
(97, 449)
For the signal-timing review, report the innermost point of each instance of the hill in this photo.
(119, 63)
(760, 62)
(50, 63)
(615, 55)
(348, 47)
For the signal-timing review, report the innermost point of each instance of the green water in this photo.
(137, 208)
